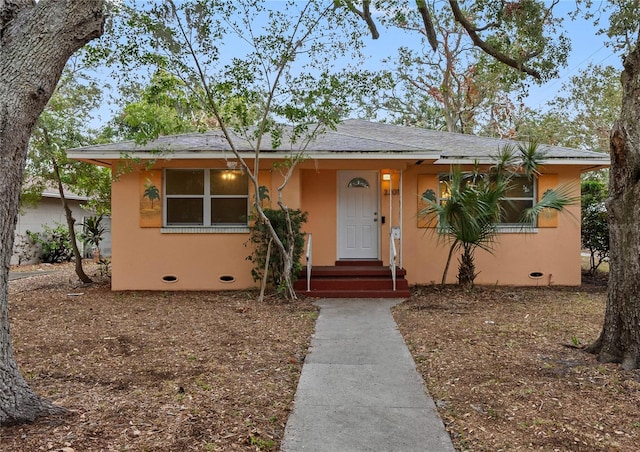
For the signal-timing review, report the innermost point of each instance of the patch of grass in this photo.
(311, 315)
(262, 444)
(202, 385)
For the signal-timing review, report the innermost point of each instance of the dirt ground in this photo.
(502, 366)
(147, 371)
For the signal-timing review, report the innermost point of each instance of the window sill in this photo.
(205, 230)
(517, 230)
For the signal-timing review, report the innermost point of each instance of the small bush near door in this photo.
(260, 238)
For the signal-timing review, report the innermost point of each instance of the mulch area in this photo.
(505, 368)
(179, 371)
(155, 370)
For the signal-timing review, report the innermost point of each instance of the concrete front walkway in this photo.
(359, 389)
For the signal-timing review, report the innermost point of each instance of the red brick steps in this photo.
(353, 279)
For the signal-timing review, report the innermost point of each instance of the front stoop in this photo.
(353, 279)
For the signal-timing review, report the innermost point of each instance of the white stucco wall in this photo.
(50, 212)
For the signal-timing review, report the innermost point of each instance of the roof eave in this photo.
(601, 163)
(190, 155)
(66, 196)
(103, 158)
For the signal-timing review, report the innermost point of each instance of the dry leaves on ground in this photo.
(501, 365)
(210, 371)
(155, 370)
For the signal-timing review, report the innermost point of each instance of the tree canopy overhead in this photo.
(582, 114)
(524, 35)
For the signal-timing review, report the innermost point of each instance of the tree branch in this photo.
(364, 14)
(428, 24)
(479, 42)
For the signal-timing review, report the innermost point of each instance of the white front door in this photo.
(358, 226)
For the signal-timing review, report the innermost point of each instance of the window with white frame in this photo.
(519, 197)
(206, 197)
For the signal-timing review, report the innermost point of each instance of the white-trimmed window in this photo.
(519, 197)
(205, 197)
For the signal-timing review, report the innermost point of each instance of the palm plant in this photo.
(468, 218)
(93, 232)
(473, 207)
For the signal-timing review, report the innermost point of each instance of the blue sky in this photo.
(587, 47)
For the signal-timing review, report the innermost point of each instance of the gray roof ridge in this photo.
(444, 133)
(351, 136)
(426, 130)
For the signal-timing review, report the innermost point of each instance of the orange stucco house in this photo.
(181, 223)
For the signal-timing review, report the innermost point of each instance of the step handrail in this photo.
(393, 255)
(309, 263)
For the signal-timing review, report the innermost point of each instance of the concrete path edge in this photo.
(359, 389)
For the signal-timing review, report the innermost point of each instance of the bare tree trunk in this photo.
(265, 276)
(446, 267)
(71, 222)
(619, 340)
(36, 40)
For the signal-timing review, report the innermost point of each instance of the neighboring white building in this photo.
(49, 212)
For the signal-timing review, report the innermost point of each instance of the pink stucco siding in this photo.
(210, 260)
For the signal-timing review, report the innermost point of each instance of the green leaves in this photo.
(582, 113)
(64, 125)
(595, 222)
(93, 230)
(624, 22)
(245, 66)
(55, 243)
(556, 199)
(166, 106)
(473, 203)
(288, 227)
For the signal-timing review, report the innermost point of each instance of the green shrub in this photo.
(260, 238)
(55, 243)
(93, 231)
(595, 222)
